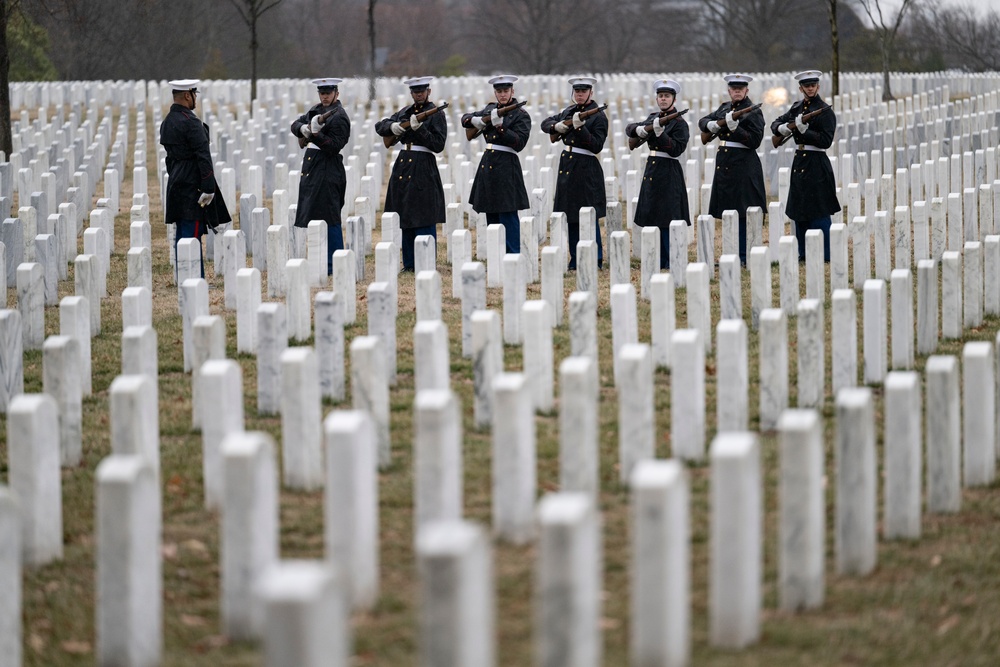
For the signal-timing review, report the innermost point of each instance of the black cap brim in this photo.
(419, 89)
(808, 82)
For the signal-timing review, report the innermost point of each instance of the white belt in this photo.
(733, 144)
(661, 154)
(807, 147)
(419, 149)
(502, 149)
(574, 149)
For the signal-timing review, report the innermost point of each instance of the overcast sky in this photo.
(982, 5)
(990, 4)
(889, 7)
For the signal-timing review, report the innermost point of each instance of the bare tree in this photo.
(886, 27)
(965, 39)
(110, 39)
(626, 27)
(835, 48)
(251, 11)
(754, 32)
(372, 74)
(537, 35)
(6, 136)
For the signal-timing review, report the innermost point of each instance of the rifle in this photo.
(392, 139)
(664, 118)
(778, 140)
(707, 136)
(584, 115)
(303, 142)
(471, 132)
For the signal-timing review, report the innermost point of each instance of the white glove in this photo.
(801, 125)
(414, 122)
(641, 131)
(658, 128)
(304, 129)
(577, 121)
(205, 199)
(478, 122)
(397, 129)
(731, 123)
(713, 127)
(315, 126)
(496, 119)
(785, 129)
(561, 127)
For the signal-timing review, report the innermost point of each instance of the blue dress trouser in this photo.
(334, 242)
(410, 237)
(822, 224)
(573, 232)
(188, 229)
(512, 229)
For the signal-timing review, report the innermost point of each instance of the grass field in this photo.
(935, 601)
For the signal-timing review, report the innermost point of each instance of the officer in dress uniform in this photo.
(415, 190)
(193, 202)
(739, 180)
(812, 191)
(663, 194)
(581, 178)
(498, 189)
(323, 180)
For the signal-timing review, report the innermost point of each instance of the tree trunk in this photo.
(6, 140)
(253, 56)
(886, 89)
(371, 52)
(835, 47)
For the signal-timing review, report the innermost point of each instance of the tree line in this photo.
(110, 39)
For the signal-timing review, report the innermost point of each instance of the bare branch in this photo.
(239, 9)
(268, 7)
(960, 34)
(899, 17)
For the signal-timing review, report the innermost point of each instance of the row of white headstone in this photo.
(474, 288)
(473, 285)
(735, 467)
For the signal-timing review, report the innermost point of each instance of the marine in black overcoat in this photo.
(663, 193)
(812, 190)
(322, 179)
(415, 190)
(581, 179)
(499, 185)
(190, 171)
(738, 182)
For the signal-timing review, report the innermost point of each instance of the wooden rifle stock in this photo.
(303, 142)
(392, 139)
(584, 115)
(707, 136)
(778, 140)
(664, 118)
(471, 132)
